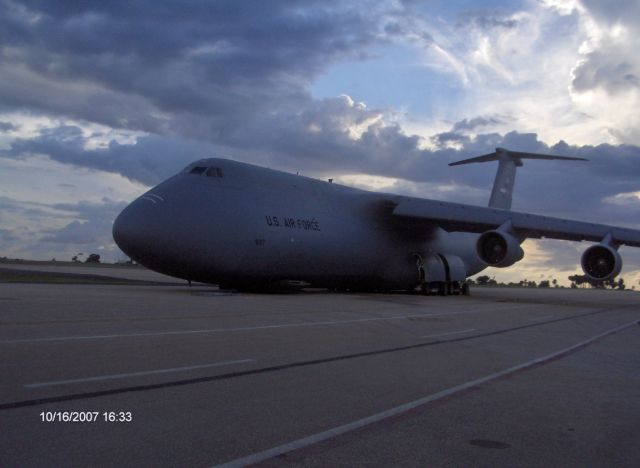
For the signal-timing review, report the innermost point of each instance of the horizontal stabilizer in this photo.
(502, 152)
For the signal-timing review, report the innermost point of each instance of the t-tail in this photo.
(508, 162)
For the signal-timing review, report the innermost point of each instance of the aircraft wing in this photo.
(469, 218)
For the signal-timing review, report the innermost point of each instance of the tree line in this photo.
(577, 281)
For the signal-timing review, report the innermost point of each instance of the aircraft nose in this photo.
(132, 229)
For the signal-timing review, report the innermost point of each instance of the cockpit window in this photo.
(209, 171)
(214, 172)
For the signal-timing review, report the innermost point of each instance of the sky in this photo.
(99, 101)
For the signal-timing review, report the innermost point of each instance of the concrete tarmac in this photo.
(199, 377)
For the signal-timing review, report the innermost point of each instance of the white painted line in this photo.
(135, 374)
(449, 333)
(352, 426)
(540, 319)
(260, 327)
(223, 330)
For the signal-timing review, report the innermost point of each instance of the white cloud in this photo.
(53, 210)
(554, 68)
(624, 199)
(38, 178)
(368, 182)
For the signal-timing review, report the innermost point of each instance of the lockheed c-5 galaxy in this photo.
(248, 227)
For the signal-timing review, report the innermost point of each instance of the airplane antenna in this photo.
(508, 162)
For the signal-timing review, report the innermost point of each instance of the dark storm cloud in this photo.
(235, 75)
(89, 228)
(90, 211)
(444, 138)
(580, 190)
(487, 21)
(7, 127)
(151, 159)
(7, 236)
(195, 68)
(458, 133)
(81, 233)
(471, 124)
(82, 210)
(602, 69)
(625, 11)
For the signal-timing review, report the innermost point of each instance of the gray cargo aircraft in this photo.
(247, 227)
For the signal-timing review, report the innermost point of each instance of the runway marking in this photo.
(449, 333)
(207, 317)
(235, 329)
(360, 423)
(135, 374)
(545, 317)
(290, 365)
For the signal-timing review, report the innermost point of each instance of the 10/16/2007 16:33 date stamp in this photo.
(87, 416)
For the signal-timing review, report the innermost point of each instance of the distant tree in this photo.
(544, 284)
(483, 280)
(578, 280)
(93, 258)
(555, 283)
(583, 281)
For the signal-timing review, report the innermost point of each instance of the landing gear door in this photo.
(457, 269)
(434, 269)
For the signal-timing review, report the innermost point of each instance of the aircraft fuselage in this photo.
(221, 221)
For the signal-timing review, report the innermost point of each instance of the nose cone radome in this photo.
(133, 229)
(138, 230)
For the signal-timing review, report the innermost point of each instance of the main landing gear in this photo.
(445, 288)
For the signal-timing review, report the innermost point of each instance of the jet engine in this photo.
(601, 262)
(499, 248)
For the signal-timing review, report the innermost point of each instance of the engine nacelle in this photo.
(601, 262)
(499, 248)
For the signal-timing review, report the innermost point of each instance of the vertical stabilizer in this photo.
(508, 162)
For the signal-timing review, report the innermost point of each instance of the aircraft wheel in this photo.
(466, 289)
